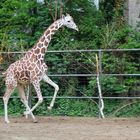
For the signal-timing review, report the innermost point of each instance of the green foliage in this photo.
(22, 22)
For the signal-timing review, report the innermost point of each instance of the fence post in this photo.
(99, 83)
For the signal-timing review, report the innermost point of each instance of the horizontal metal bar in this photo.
(89, 75)
(71, 75)
(74, 97)
(72, 51)
(121, 74)
(98, 50)
(86, 75)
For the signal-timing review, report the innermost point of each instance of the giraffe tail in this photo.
(4, 73)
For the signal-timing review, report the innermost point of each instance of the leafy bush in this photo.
(23, 22)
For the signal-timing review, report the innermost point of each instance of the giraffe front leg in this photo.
(56, 87)
(26, 115)
(27, 112)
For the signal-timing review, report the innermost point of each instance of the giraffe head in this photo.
(69, 22)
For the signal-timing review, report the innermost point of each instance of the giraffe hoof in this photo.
(26, 116)
(7, 121)
(35, 121)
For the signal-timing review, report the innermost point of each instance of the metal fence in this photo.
(100, 53)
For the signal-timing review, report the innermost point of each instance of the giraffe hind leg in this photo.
(9, 90)
(27, 98)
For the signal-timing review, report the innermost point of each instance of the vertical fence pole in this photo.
(100, 62)
(99, 74)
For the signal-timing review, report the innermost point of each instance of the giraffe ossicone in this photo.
(31, 69)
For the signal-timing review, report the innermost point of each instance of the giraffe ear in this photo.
(67, 14)
(63, 16)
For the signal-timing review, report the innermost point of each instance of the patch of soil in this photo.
(70, 128)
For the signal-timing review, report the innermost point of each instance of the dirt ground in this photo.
(70, 128)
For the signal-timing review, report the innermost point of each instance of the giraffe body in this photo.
(25, 71)
(31, 69)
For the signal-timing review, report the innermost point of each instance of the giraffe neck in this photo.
(41, 46)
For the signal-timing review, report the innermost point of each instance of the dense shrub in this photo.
(21, 24)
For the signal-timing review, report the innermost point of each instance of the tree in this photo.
(22, 22)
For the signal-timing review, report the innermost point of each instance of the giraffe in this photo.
(31, 69)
